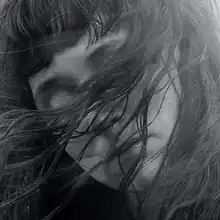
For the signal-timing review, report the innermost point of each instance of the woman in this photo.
(109, 110)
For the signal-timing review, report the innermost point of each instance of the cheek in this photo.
(163, 113)
(162, 117)
(163, 125)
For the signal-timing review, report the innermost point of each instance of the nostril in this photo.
(107, 120)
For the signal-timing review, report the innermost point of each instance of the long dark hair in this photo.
(33, 141)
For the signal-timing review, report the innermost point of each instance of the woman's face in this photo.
(73, 64)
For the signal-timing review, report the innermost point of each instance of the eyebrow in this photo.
(42, 51)
(59, 42)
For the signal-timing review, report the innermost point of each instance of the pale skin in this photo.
(72, 63)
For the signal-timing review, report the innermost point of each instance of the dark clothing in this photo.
(94, 201)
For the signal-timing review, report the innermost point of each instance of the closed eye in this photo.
(55, 93)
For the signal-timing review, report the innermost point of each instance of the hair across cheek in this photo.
(162, 117)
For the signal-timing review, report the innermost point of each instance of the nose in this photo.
(115, 129)
(109, 120)
(109, 116)
(103, 125)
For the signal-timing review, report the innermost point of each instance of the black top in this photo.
(94, 201)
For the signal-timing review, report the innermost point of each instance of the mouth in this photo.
(111, 173)
(100, 146)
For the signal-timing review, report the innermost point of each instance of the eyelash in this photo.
(48, 90)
